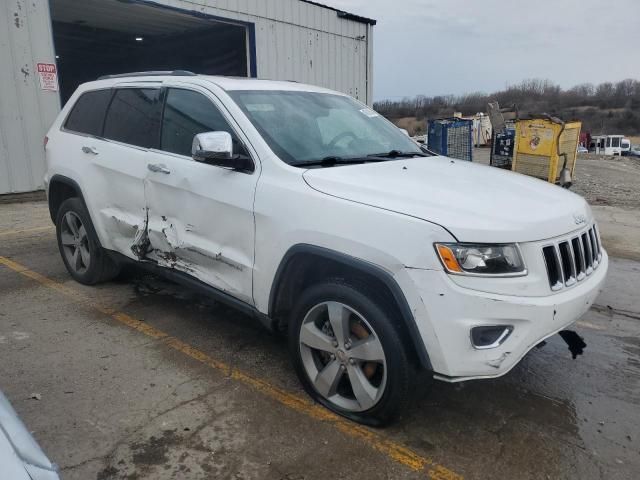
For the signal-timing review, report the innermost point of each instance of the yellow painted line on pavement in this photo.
(22, 231)
(395, 451)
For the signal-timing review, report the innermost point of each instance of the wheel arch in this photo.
(305, 264)
(60, 189)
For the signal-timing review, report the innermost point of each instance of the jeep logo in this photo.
(579, 218)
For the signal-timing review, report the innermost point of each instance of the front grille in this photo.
(571, 260)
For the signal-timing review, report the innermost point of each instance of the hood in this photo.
(476, 203)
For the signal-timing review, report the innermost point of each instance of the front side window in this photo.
(87, 115)
(187, 113)
(305, 127)
(134, 117)
(615, 142)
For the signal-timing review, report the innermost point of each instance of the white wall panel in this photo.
(25, 110)
(335, 53)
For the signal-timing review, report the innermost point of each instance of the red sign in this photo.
(48, 76)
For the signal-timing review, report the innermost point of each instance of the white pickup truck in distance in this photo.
(311, 212)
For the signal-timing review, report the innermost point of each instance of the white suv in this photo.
(311, 212)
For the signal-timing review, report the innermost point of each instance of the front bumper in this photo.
(445, 313)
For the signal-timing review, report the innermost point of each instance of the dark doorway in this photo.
(101, 37)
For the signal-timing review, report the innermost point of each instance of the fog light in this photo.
(492, 336)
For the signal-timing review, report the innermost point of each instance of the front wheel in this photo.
(348, 354)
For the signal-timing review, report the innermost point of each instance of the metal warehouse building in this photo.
(48, 47)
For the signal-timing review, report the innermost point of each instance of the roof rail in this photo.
(154, 73)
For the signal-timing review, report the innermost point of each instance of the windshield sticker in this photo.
(369, 113)
(260, 107)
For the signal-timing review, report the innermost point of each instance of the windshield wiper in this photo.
(397, 154)
(333, 160)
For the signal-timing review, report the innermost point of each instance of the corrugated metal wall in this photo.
(25, 110)
(294, 41)
(300, 41)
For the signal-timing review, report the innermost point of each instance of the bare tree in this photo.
(608, 106)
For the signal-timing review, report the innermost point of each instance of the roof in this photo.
(242, 83)
(225, 83)
(343, 14)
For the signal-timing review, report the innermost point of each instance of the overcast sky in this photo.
(455, 46)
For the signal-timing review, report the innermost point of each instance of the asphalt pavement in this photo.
(143, 379)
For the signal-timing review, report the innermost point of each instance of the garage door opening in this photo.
(101, 37)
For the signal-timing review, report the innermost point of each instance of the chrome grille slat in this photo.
(584, 238)
(579, 258)
(554, 268)
(570, 260)
(596, 234)
(594, 246)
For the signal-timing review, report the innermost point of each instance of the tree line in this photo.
(605, 108)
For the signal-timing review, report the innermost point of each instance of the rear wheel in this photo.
(348, 354)
(85, 259)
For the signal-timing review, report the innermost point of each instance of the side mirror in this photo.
(212, 147)
(216, 148)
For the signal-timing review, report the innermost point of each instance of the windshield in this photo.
(615, 142)
(305, 127)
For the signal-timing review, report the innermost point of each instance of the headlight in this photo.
(481, 259)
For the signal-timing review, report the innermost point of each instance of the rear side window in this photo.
(87, 115)
(134, 117)
(187, 113)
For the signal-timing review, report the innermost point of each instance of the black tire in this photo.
(101, 267)
(399, 371)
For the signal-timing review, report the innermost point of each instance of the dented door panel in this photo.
(201, 222)
(119, 165)
(114, 179)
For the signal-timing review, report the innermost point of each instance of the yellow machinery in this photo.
(544, 146)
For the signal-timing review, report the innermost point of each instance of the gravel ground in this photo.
(608, 181)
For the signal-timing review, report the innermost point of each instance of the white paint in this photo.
(441, 190)
(20, 335)
(232, 229)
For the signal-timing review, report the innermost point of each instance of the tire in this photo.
(86, 261)
(331, 366)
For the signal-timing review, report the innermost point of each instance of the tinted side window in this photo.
(134, 117)
(187, 113)
(87, 115)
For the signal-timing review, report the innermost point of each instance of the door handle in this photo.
(91, 150)
(158, 168)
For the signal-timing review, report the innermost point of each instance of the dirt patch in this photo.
(602, 181)
(107, 473)
(36, 196)
(154, 451)
(610, 181)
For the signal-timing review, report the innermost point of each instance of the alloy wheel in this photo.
(75, 242)
(343, 356)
